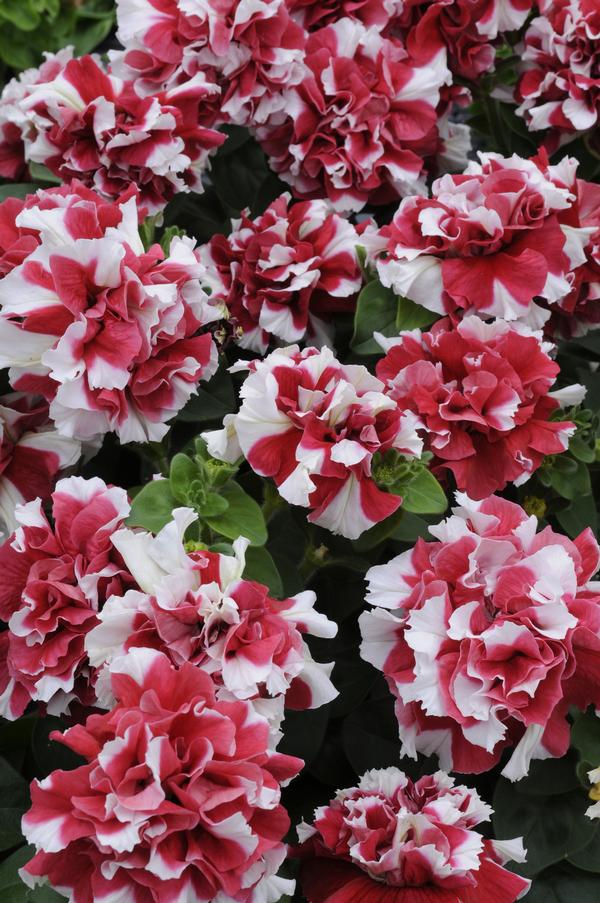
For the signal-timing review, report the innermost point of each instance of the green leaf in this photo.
(17, 190)
(581, 450)
(559, 885)
(588, 857)
(413, 316)
(153, 506)
(261, 568)
(42, 174)
(14, 801)
(211, 402)
(585, 736)
(10, 882)
(570, 478)
(182, 472)
(378, 533)
(553, 827)
(547, 777)
(50, 755)
(581, 513)
(212, 505)
(422, 494)
(244, 517)
(376, 311)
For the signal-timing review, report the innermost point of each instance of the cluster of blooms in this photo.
(85, 123)
(314, 426)
(277, 272)
(179, 798)
(56, 576)
(560, 85)
(391, 839)
(107, 332)
(485, 637)
(481, 390)
(197, 608)
(494, 240)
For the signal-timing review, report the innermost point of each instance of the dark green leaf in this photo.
(581, 513)
(152, 507)
(585, 736)
(570, 478)
(581, 450)
(9, 868)
(553, 827)
(212, 401)
(243, 517)
(261, 568)
(50, 755)
(413, 316)
(376, 311)
(370, 736)
(558, 885)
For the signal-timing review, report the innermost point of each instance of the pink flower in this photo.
(394, 840)
(84, 123)
(467, 28)
(246, 51)
(56, 578)
(108, 332)
(579, 311)
(482, 392)
(313, 15)
(487, 636)
(359, 125)
(275, 273)
(560, 86)
(314, 425)
(32, 454)
(13, 119)
(179, 797)
(197, 608)
(490, 240)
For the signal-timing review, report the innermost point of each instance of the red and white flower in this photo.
(276, 273)
(394, 840)
(579, 311)
(314, 425)
(560, 86)
(108, 332)
(358, 126)
(197, 608)
(13, 118)
(56, 576)
(179, 798)
(487, 636)
(490, 240)
(466, 28)
(87, 124)
(246, 50)
(313, 15)
(482, 392)
(32, 454)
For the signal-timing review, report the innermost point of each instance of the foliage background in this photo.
(358, 730)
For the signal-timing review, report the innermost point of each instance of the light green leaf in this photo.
(153, 506)
(422, 494)
(243, 517)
